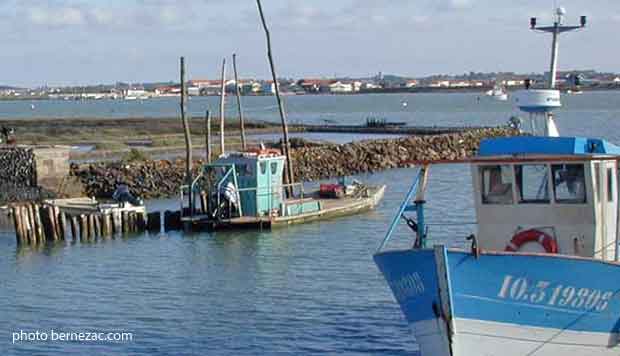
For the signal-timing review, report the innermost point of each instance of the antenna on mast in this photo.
(555, 30)
(539, 103)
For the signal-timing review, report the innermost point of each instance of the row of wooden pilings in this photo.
(37, 223)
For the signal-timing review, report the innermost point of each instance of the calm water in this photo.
(308, 289)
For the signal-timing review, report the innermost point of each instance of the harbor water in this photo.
(306, 289)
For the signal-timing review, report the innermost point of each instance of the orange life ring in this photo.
(532, 235)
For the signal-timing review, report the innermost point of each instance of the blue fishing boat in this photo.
(542, 273)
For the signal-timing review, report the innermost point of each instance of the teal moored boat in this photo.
(246, 189)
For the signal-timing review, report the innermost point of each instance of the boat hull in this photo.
(506, 303)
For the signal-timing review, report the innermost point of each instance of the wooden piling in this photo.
(62, 224)
(31, 226)
(187, 136)
(239, 107)
(286, 146)
(74, 228)
(141, 223)
(52, 231)
(125, 216)
(154, 222)
(208, 136)
(17, 221)
(39, 223)
(59, 233)
(117, 223)
(83, 228)
(97, 222)
(92, 235)
(106, 226)
(222, 99)
(34, 238)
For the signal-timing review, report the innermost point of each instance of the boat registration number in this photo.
(554, 295)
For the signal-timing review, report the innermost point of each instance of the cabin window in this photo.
(610, 185)
(597, 181)
(244, 170)
(569, 184)
(274, 168)
(263, 168)
(496, 184)
(532, 183)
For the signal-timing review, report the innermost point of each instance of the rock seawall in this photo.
(153, 179)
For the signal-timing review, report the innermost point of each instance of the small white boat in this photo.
(497, 93)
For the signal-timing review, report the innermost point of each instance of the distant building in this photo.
(315, 85)
(340, 88)
(439, 84)
(459, 84)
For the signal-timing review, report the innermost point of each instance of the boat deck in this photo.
(329, 208)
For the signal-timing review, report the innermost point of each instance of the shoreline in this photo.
(419, 90)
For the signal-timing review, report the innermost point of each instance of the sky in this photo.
(75, 42)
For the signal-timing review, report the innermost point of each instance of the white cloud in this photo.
(64, 16)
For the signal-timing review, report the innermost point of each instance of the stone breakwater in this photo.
(153, 179)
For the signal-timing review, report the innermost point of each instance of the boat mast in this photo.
(555, 30)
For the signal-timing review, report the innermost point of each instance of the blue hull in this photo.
(500, 295)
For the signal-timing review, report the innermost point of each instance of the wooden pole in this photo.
(74, 227)
(188, 138)
(107, 225)
(62, 224)
(116, 219)
(33, 226)
(97, 221)
(83, 228)
(154, 222)
(208, 136)
(17, 221)
(125, 222)
(39, 223)
(286, 144)
(52, 228)
(92, 235)
(222, 102)
(59, 233)
(239, 108)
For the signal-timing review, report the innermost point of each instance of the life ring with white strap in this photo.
(532, 235)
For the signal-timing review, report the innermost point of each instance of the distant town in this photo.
(567, 80)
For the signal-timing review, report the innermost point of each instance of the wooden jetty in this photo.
(82, 219)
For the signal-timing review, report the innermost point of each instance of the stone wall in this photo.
(153, 179)
(28, 172)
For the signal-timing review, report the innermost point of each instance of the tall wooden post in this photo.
(208, 136)
(222, 98)
(239, 108)
(188, 138)
(286, 144)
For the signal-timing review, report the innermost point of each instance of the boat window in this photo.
(263, 167)
(610, 185)
(274, 167)
(496, 184)
(569, 183)
(243, 170)
(597, 181)
(532, 183)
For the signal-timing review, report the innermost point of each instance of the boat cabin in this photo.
(560, 192)
(250, 184)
